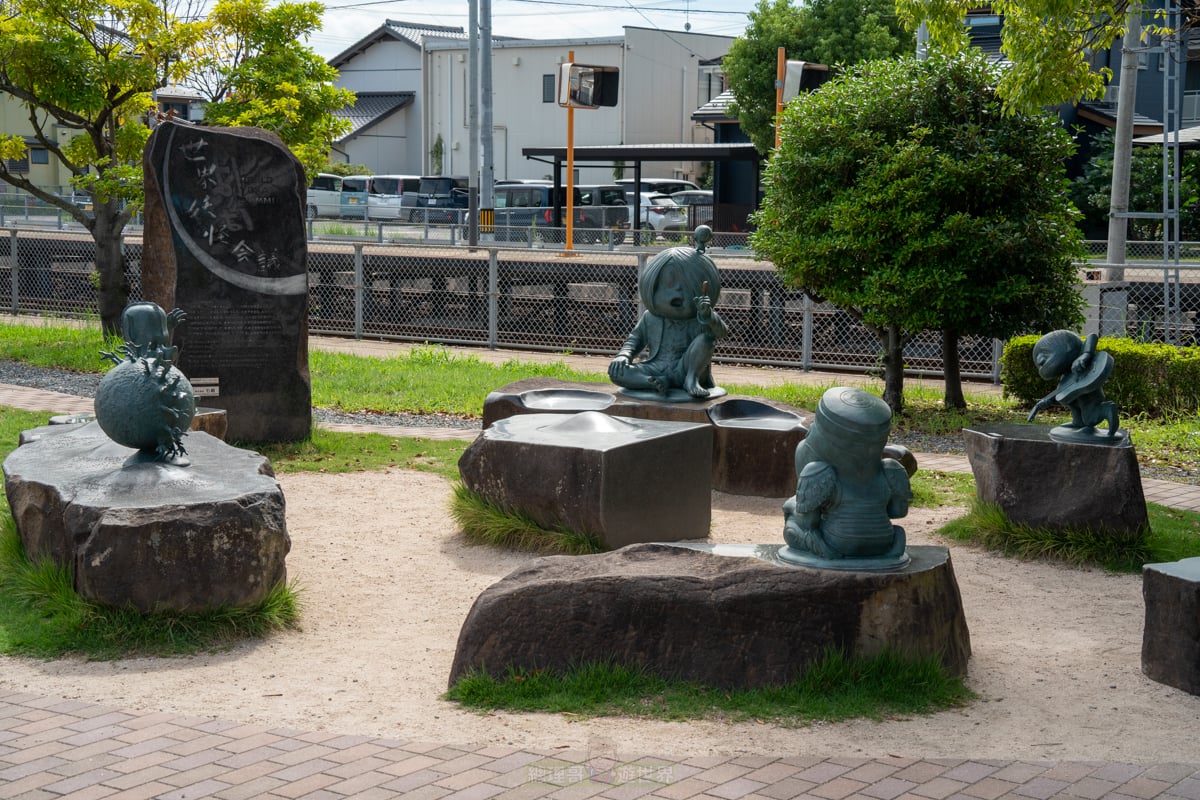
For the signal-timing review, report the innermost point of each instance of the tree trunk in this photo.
(110, 264)
(952, 370)
(893, 368)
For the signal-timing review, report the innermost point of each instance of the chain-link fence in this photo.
(533, 295)
(1147, 297)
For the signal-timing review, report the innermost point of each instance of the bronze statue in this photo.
(678, 330)
(145, 402)
(849, 487)
(1081, 372)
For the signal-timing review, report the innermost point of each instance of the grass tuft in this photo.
(987, 524)
(41, 615)
(485, 522)
(835, 687)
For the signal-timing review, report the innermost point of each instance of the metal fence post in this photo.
(997, 355)
(358, 290)
(641, 270)
(15, 271)
(806, 335)
(493, 307)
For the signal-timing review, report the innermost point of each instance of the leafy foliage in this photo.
(91, 66)
(1048, 43)
(831, 32)
(903, 193)
(277, 82)
(1092, 189)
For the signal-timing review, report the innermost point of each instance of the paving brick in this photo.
(939, 788)
(250, 790)
(23, 769)
(1189, 788)
(736, 788)
(458, 780)
(969, 772)
(1090, 788)
(143, 792)
(989, 788)
(823, 772)
(1118, 773)
(1019, 772)
(723, 773)
(837, 788)
(128, 780)
(1040, 788)
(920, 772)
(414, 780)
(888, 788)
(1144, 787)
(353, 785)
(201, 789)
(786, 788)
(871, 772)
(297, 772)
(295, 789)
(773, 772)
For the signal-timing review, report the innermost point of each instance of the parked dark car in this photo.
(441, 199)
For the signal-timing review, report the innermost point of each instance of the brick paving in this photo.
(54, 748)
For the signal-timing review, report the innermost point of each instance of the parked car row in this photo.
(519, 205)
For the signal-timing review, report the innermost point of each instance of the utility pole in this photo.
(487, 177)
(473, 117)
(1118, 210)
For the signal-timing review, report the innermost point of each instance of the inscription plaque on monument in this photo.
(224, 237)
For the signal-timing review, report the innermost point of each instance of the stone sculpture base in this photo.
(212, 421)
(146, 534)
(754, 439)
(621, 479)
(1044, 483)
(1171, 637)
(730, 622)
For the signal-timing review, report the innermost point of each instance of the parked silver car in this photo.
(658, 212)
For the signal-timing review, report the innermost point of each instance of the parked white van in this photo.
(325, 196)
(392, 196)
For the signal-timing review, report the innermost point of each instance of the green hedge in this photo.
(1157, 379)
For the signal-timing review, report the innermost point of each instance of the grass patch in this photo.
(1173, 535)
(484, 522)
(72, 347)
(425, 380)
(937, 489)
(334, 451)
(833, 688)
(42, 616)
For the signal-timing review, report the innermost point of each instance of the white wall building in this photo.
(663, 80)
(384, 70)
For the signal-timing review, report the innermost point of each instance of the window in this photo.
(17, 164)
(1143, 59)
(548, 88)
(39, 155)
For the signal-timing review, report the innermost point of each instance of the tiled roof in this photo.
(415, 32)
(715, 110)
(372, 107)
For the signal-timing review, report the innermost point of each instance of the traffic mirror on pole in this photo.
(587, 85)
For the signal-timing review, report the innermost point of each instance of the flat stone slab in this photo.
(754, 439)
(729, 618)
(148, 534)
(1171, 636)
(1045, 483)
(624, 480)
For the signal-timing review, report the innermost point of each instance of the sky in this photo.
(347, 21)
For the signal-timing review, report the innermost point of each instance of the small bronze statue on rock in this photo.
(850, 485)
(1081, 372)
(145, 402)
(678, 330)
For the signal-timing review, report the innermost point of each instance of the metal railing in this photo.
(539, 298)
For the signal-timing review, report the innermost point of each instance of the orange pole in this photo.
(570, 165)
(780, 73)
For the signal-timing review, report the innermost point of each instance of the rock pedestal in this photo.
(1044, 483)
(623, 480)
(754, 439)
(1171, 637)
(149, 534)
(721, 621)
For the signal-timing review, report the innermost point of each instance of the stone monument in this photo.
(847, 491)
(225, 239)
(678, 330)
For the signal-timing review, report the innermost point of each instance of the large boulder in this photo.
(741, 621)
(1044, 483)
(148, 534)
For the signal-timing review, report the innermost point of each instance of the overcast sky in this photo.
(346, 21)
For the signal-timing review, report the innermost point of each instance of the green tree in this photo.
(277, 82)
(1091, 190)
(822, 31)
(90, 67)
(903, 194)
(1048, 43)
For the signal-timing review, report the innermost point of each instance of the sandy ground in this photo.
(387, 581)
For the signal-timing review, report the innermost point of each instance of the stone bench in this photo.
(1171, 637)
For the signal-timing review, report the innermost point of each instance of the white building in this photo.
(384, 70)
(411, 81)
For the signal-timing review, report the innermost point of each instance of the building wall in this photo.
(661, 84)
(395, 144)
